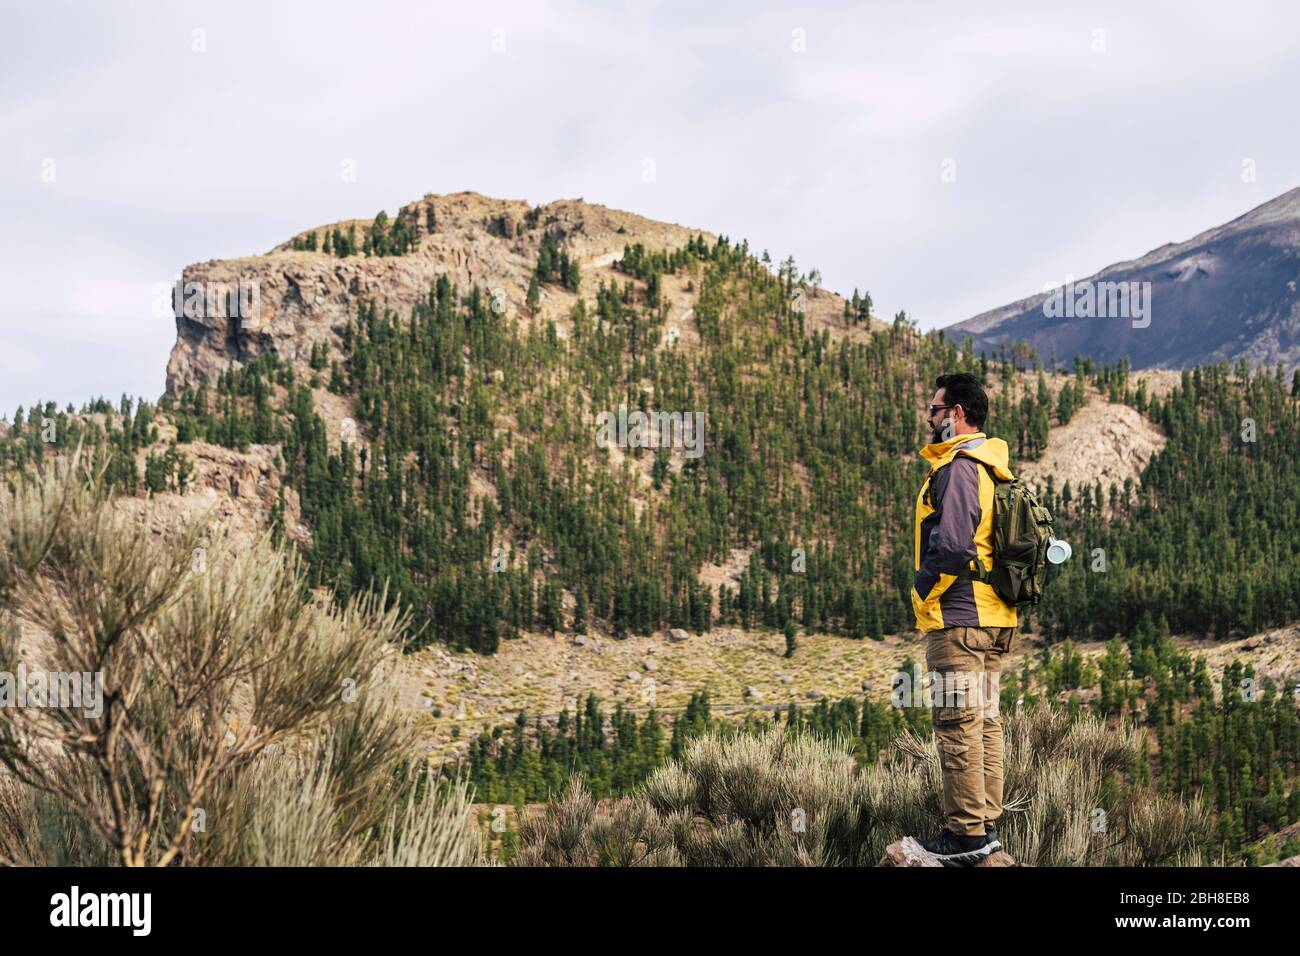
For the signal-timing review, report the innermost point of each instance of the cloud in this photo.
(819, 131)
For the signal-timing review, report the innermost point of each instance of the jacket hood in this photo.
(992, 451)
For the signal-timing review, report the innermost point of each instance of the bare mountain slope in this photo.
(1232, 292)
(1104, 442)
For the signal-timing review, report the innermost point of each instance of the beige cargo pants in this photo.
(967, 722)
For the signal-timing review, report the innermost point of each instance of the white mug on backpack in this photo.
(1058, 551)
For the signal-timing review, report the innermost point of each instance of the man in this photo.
(969, 626)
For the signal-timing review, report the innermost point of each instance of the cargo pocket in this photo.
(978, 638)
(955, 754)
(949, 715)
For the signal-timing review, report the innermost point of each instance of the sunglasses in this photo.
(935, 408)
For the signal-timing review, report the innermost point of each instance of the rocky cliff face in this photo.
(305, 298)
(235, 491)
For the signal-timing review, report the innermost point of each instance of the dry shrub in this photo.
(243, 719)
(771, 798)
(787, 799)
(1054, 807)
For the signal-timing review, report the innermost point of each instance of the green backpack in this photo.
(1022, 530)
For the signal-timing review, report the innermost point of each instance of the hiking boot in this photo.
(952, 849)
(992, 832)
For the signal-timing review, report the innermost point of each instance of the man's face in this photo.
(940, 430)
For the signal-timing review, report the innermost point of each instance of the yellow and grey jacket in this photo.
(954, 527)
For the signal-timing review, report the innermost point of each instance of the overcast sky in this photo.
(948, 158)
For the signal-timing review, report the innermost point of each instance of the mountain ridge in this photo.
(1230, 292)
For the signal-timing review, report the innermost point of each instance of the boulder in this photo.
(909, 852)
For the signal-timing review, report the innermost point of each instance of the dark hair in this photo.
(964, 389)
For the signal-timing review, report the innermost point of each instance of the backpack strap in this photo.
(970, 574)
(929, 483)
(978, 573)
(929, 479)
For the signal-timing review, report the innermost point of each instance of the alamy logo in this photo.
(212, 300)
(640, 429)
(103, 909)
(977, 690)
(1100, 300)
(65, 690)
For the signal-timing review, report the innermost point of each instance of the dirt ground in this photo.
(744, 672)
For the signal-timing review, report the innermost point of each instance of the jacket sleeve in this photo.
(951, 543)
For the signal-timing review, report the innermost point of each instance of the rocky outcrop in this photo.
(234, 491)
(909, 852)
(305, 298)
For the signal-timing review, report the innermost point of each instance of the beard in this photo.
(936, 433)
